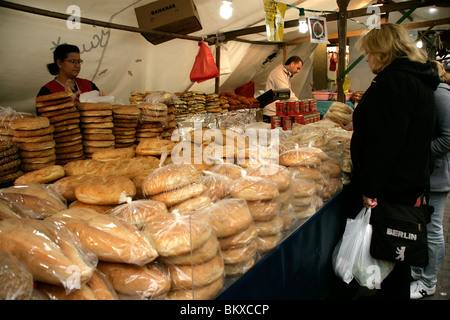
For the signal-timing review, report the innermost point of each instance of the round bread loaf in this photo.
(263, 210)
(269, 227)
(146, 281)
(254, 188)
(267, 243)
(94, 106)
(229, 170)
(303, 187)
(207, 292)
(66, 185)
(217, 186)
(199, 275)
(228, 216)
(30, 123)
(169, 177)
(276, 173)
(295, 157)
(239, 254)
(193, 204)
(175, 234)
(33, 133)
(239, 239)
(174, 197)
(307, 173)
(105, 190)
(138, 212)
(239, 268)
(204, 253)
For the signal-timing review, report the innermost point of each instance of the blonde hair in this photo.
(445, 77)
(389, 42)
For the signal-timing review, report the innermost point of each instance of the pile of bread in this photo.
(136, 223)
(235, 101)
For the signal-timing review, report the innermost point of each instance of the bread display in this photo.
(110, 239)
(340, 112)
(149, 217)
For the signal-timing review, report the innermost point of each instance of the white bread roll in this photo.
(254, 188)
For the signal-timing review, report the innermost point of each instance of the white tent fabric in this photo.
(120, 61)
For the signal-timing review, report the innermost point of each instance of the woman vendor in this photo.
(66, 67)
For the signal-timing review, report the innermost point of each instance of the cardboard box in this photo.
(176, 16)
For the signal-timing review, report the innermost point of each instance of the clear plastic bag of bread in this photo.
(110, 239)
(34, 200)
(173, 184)
(218, 186)
(136, 282)
(252, 188)
(51, 253)
(138, 212)
(16, 282)
(161, 97)
(97, 288)
(189, 252)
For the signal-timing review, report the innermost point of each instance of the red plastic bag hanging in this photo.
(204, 66)
(333, 62)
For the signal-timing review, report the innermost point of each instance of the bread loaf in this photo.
(254, 188)
(50, 253)
(110, 239)
(106, 190)
(276, 173)
(146, 281)
(43, 175)
(175, 234)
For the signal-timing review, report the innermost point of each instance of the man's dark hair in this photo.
(295, 59)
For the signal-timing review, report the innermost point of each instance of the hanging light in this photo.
(226, 10)
(419, 44)
(302, 22)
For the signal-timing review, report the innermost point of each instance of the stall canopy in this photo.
(120, 61)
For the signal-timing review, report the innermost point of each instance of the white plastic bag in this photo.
(345, 252)
(351, 257)
(369, 272)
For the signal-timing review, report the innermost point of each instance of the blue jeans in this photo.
(436, 244)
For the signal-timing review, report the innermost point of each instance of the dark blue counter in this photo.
(300, 266)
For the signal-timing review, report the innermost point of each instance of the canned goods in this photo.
(291, 108)
(275, 122)
(301, 108)
(280, 109)
(287, 123)
(299, 119)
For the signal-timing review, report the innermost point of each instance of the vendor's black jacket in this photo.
(393, 128)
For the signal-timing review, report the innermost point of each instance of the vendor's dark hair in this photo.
(61, 53)
(295, 59)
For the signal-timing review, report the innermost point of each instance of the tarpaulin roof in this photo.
(121, 61)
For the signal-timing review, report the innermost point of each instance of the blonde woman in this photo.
(392, 132)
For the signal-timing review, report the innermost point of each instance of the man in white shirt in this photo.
(280, 78)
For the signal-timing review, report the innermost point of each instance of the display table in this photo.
(300, 266)
(324, 105)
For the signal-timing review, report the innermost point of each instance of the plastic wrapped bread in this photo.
(34, 200)
(51, 253)
(16, 282)
(145, 282)
(110, 239)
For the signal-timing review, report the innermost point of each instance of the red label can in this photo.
(275, 122)
(292, 108)
(280, 109)
(301, 108)
(287, 123)
(299, 119)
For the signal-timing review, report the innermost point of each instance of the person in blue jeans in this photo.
(426, 277)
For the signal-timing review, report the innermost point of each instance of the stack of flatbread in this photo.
(9, 162)
(65, 118)
(35, 143)
(213, 103)
(125, 119)
(97, 127)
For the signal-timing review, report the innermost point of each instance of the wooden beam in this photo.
(63, 16)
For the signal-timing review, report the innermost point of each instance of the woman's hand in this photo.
(369, 203)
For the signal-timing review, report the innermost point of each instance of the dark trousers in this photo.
(396, 286)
